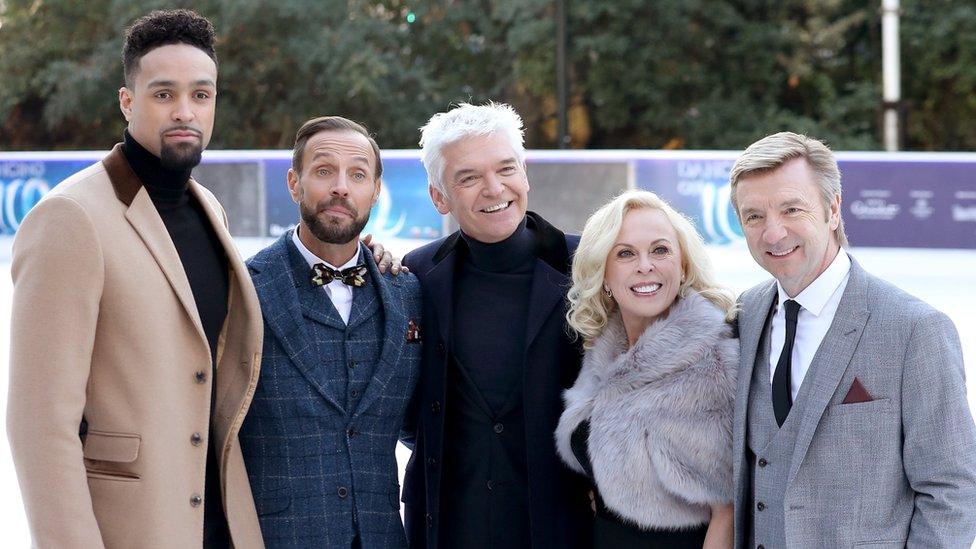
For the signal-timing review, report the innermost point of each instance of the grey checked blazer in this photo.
(897, 471)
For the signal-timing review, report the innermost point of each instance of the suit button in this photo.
(195, 500)
(761, 506)
(351, 432)
(354, 393)
(432, 462)
(352, 364)
(498, 428)
(490, 485)
(763, 462)
(196, 439)
(440, 349)
(343, 492)
(435, 406)
(200, 377)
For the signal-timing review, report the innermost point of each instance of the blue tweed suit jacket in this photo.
(320, 436)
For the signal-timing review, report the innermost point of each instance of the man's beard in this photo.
(180, 156)
(332, 231)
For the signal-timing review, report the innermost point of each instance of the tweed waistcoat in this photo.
(323, 469)
(770, 451)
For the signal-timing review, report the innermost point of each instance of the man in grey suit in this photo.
(851, 424)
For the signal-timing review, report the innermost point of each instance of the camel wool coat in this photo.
(104, 327)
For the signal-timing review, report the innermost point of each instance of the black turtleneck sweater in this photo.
(484, 504)
(491, 301)
(205, 264)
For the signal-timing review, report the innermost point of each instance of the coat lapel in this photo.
(394, 335)
(440, 279)
(831, 361)
(549, 288)
(145, 220)
(752, 320)
(278, 288)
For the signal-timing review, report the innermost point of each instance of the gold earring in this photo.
(609, 292)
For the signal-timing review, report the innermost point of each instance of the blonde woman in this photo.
(649, 418)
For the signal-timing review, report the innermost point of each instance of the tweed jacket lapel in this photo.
(831, 360)
(394, 332)
(144, 218)
(278, 287)
(366, 304)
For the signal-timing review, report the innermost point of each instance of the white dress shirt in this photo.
(339, 293)
(818, 305)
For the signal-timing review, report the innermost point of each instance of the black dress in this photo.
(612, 532)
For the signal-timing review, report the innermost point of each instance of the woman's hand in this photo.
(719, 534)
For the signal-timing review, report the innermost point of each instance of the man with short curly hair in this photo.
(136, 332)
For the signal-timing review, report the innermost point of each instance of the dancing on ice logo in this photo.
(22, 185)
(709, 183)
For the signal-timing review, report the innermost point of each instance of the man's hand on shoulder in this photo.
(384, 259)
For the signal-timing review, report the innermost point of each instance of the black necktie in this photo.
(322, 274)
(782, 380)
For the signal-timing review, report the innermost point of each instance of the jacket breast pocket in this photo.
(880, 405)
(111, 456)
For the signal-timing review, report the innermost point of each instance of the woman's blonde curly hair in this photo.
(589, 305)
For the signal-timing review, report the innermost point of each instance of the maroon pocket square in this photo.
(413, 332)
(857, 393)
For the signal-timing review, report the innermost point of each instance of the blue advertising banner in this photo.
(907, 200)
(403, 209)
(23, 182)
(890, 199)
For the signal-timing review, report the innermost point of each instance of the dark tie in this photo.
(782, 380)
(322, 274)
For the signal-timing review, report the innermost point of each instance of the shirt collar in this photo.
(313, 259)
(814, 297)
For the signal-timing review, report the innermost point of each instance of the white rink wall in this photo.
(943, 278)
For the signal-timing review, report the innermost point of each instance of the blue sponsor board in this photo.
(403, 209)
(23, 182)
(890, 199)
(697, 186)
(910, 200)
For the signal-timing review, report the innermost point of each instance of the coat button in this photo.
(435, 406)
(342, 492)
(354, 393)
(351, 432)
(432, 462)
(761, 506)
(200, 377)
(352, 365)
(763, 462)
(196, 439)
(430, 520)
(195, 500)
(491, 485)
(498, 428)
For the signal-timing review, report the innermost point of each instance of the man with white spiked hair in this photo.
(497, 355)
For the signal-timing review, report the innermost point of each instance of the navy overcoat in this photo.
(559, 508)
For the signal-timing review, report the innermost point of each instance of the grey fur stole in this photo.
(660, 416)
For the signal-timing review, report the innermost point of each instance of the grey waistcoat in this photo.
(770, 451)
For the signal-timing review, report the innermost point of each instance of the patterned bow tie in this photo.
(322, 274)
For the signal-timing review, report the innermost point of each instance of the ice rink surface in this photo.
(943, 278)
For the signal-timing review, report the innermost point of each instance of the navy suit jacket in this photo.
(559, 507)
(318, 444)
